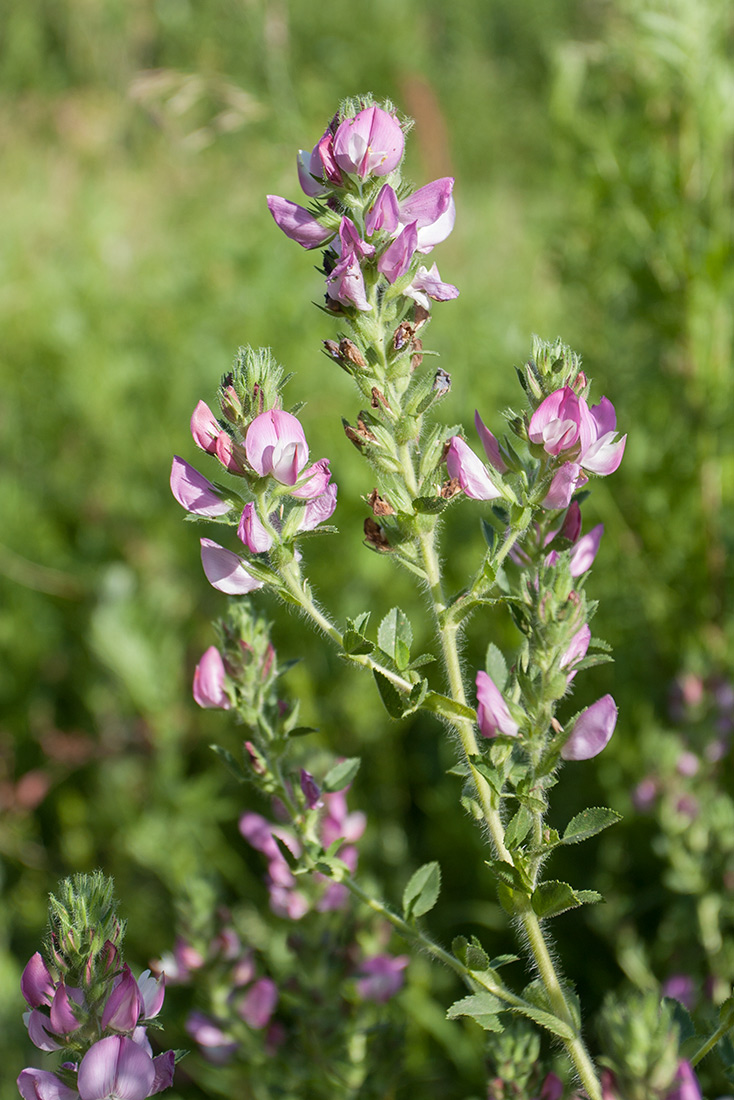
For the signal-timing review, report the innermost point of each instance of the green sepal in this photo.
(342, 774)
(480, 1007)
(430, 506)
(356, 645)
(421, 893)
(588, 823)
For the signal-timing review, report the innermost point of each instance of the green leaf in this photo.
(301, 731)
(355, 644)
(503, 960)
(551, 898)
(511, 876)
(588, 823)
(496, 666)
(518, 827)
(342, 774)
(547, 1020)
(489, 533)
(393, 701)
(421, 893)
(360, 623)
(395, 637)
(482, 1007)
(447, 708)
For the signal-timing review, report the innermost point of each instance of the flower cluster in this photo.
(85, 1001)
(267, 452)
(374, 230)
(335, 823)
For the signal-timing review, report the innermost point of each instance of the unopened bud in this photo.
(230, 404)
(311, 790)
(256, 761)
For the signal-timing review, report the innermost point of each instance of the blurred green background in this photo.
(593, 146)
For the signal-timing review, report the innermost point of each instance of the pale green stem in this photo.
(488, 799)
(711, 1042)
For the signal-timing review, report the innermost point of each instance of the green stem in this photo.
(488, 799)
(711, 1042)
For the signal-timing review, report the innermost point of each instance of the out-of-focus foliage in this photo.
(593, 148)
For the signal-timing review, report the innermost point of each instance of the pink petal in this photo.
(469, 471)
(592, 730)
(253, 532)
(208, 688)
(193, 492)
(371, 143)
(384, 213)
(566, 480)
(226, 571)
(115, 1067)
(490, 444)
(204, 428)
(319, 509)
(297, 223)
(39, 1084)
(585, 550)
(36, 984)
(395, 260)
(276, 446)
(493, 715)
(259, 1004)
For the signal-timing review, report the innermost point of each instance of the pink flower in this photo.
(428, 284)
(395, 260)
(118, 1067)
(218, 1046)
(564, 423)
(585, 550)
(469, 471)
(259, 1003)
(345, 283)
(193, 492)
(493, 715)
(205, 428)
(36, 984)
(685, 1085)
(276, 446)
(39, 1084)
(152, 991)
(603, 454)
(226, 571)
(552, 1088)
(382, 977)
(592, 730)
(350, 240)
(384, 214)
(561, 423)
(576, 650)
(253, 532)
(490, 444)
(567, 479)
(318, 168)
(432, 210)
(313, 481)
(371, 143)
(318, 509)
(209, 681)
(297, 223)
(124, 1005)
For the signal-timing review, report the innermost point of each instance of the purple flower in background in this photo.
(371, 143)
(552, 1088)
(592, 730)
(276, 446)
(297, 223)
(381, 977)
(681, 987)
(217, 1046)
(469, 471)
(226, 571)
(259, 1003)
(685, 1085)
(193, 492)
(493, 715)
(210, 679)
